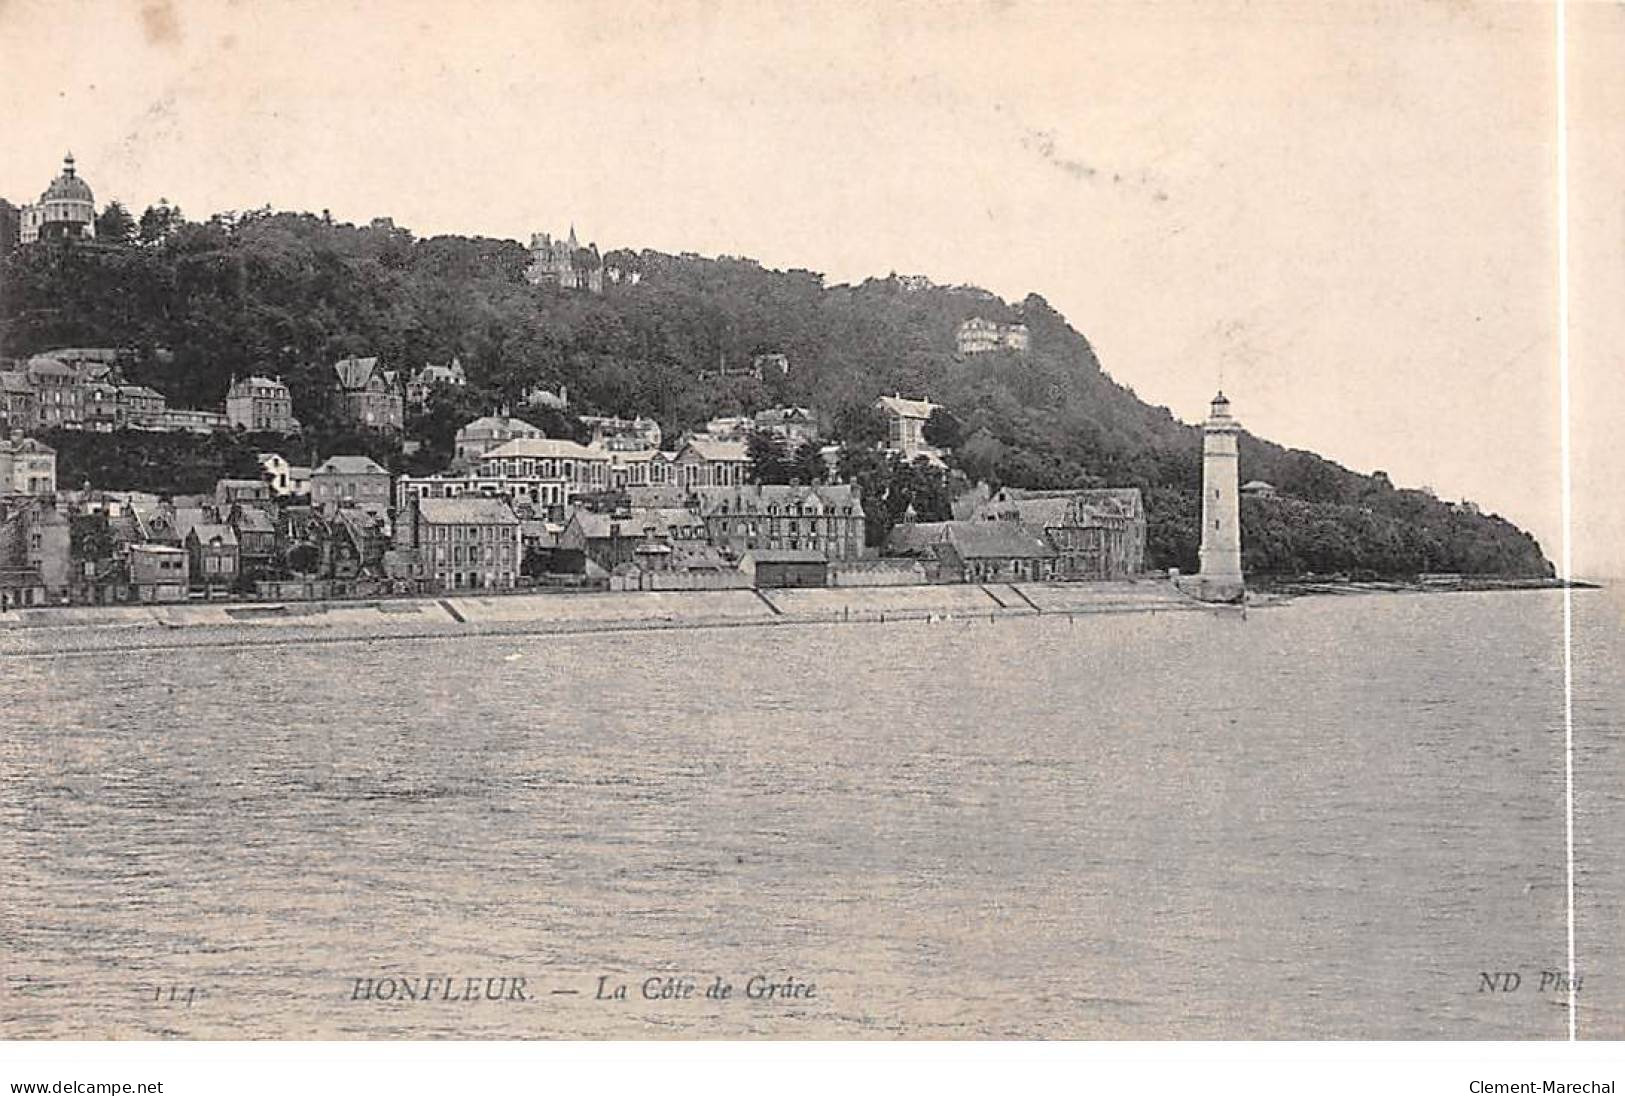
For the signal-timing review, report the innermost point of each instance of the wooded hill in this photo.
(288, 294)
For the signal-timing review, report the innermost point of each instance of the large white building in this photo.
(67, 210)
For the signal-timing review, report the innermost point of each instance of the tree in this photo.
(90, 537)
(770, 460)
(943, 429)
(160, 222)
(303, 558)
(115, 225)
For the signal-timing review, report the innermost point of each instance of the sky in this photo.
(1345, 213)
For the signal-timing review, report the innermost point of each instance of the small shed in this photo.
(782, 567)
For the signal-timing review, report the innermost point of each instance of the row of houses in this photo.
(85, 388)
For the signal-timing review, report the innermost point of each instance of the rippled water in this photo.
(1327, 820)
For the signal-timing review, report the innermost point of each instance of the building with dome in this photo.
(66, 211)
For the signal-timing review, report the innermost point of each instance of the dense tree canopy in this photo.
(288, 294)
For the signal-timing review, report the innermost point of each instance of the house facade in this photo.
(369, 395)
(1097, 533)
(261, 403)
(823, 518)
(214, 557)
(706, 463)
(158, 572)
(905, 424)
(27, 467)
(479, 437)
(351, 480)
(977, 551)
(465, 543)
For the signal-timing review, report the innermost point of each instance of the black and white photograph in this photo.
(991, 522)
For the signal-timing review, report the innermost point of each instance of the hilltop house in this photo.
(369, 395)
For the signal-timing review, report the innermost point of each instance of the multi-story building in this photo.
(564, 264)
(977, 551)
(627, 434)
(27, 467)
(430, 377)
(354, 481)
(641, 468)
(582, 468)
(369, 395)
(34, 555)
(704, 462)
(18, 407)
(979, 336)
(65, 211)
(463, 543)
(794, 424)
(905, 424)
(58, 396)
(214, 555)
(139, 405)
(825, 518)
(548, 493)
(1097, 533)
(261, 403)
(256, 537)
(477, 438)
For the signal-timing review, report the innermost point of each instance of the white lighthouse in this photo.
(1220, 578)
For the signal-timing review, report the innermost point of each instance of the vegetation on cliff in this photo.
(288, 294)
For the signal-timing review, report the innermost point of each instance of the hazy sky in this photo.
(1348, 210)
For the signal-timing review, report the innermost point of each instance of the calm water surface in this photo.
(1324, 821)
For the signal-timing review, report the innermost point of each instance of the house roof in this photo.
(251, 519)
(544, 448)
(354, 373)
(974, 539)
(467, 510)
(908, 409)
(248, 384)
(786, 555)
(207, 531)
(187, 518)
(24, 445)
(350, 466)
(635, 523)
(13, 380)
(491, 424)
(1051, 509)
(1258, 485)
(712, 450)
(44, 364)
(757, 498)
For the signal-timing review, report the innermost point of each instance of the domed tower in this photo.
(1220, 578)
(67, 209)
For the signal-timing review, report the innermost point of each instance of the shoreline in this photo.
(95, 629)
(75, 630)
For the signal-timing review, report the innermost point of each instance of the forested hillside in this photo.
(288, 294)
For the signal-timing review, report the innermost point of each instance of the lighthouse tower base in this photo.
(1207, 588)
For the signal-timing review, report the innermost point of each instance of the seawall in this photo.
(141, 627)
